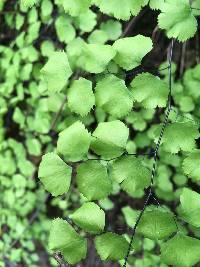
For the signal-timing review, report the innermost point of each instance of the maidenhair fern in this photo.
(87, 78)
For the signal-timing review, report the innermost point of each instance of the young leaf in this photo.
(80, 97)
(46, 8)
(177, 19)
(129, 171)
(28, 3)
(191, 81)
(64, 29)
(47, 48)
(157, 223)
(93, 181)
(131, 50)
(112, 28)
(33, 146)
(89, 217)
(149, 90)
(98, 37)
(111, 246)
(74, 142)
(109, 139)
(181, 251)
(76, 7)
(64, 238)
(55, 174)
(191, 165)
(121, 9)
(75, 50)
(86, 21)
(180, 136)
(190, 206)
(113, 96)
(56, 71)
(95, 57)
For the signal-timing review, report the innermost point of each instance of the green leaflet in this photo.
(149, 90)
(130, 172)
(64, 238)
(56, 72)
(131, 50)
(46, 9)
(47, 48)
(196, 4)
(55, 101)
(191, 165)
(191, 81)
(109, 139)
(93, 181)
(89, 217)
(80, 97)
(111, 246)
(186, 104)
(74, 50)
(76, 7)
(112, 28)
(156, 4)
(28, 3)
(190, 206)
(98, 37)
(19, 117)
(157, 223)
(55, 174)
(121, 9)
(181, 251)
(177, 19)
(86, 21)
(33, 146)
(180, 136)
(64, 29)
(95, 57)
(74, 142)
(113, 96)
(130, 215)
